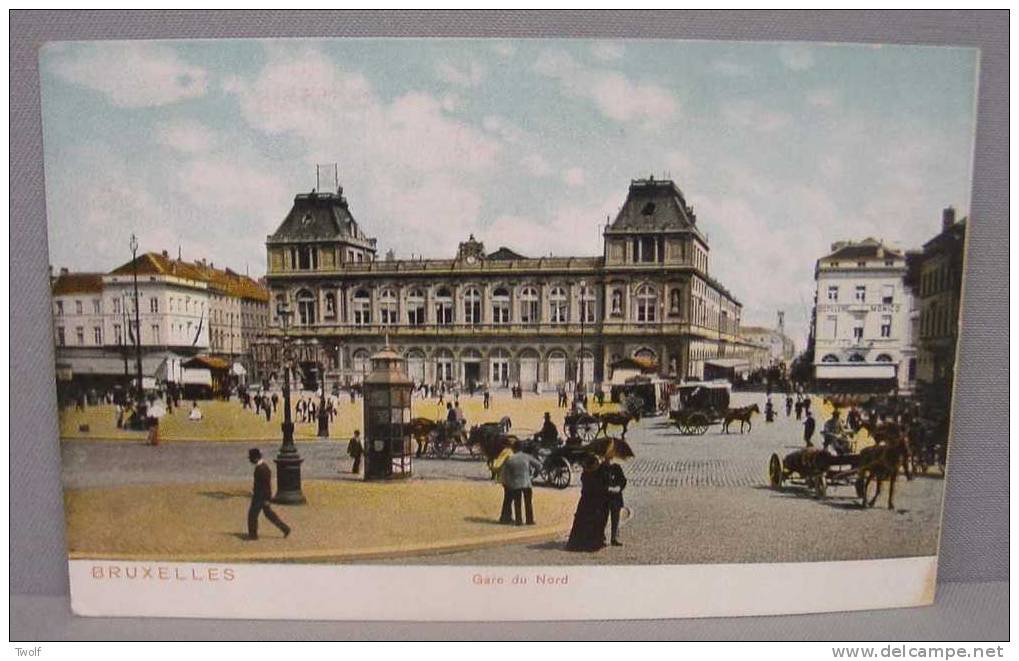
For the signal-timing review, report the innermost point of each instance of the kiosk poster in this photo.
(504, 329)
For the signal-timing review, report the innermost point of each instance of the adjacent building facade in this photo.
(500, 317)
(939, 295)
(862, 319)
(98, 328)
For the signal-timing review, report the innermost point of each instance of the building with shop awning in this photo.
(627, 368)
(725, 368)
(206, 372)
(108, 369)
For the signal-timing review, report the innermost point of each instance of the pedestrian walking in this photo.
(355, 449)
(788, 405)
(809, 424)
(799, 408)
(488, 397)
(261, 494)
(275, 401)
(769, 411)
(515, 475)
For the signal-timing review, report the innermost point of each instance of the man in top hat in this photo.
(261, 495)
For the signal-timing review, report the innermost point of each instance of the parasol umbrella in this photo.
(610, 447)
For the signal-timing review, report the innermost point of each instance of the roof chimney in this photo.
(64, 270)
(947, 218)
(166, 254)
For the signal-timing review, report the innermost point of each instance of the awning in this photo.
(854, 371)
(728, 363)
(107, 366)
(208, 362)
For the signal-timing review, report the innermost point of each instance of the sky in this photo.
(781, 148)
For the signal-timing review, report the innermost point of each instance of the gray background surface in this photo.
(975, 534)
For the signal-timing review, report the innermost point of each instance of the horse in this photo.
(493, 445)
(743, 414)
(619, 419)
(881, 462)
(485, 430)
(420, 429)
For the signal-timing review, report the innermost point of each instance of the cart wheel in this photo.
(536, 472)
(587, 430)
(558, 473)
(820, 486)
(775, 471)
(441, 448)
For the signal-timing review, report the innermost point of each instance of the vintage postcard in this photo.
(486, 329)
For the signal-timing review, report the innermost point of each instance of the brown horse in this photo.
(619, 419)
(743, 414)
(420, 429)
(479, 433)
(492, 446)
(881, 462)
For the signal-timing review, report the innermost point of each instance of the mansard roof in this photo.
(77, 283)
(869, 248)
(505, 253)
(654, 205)
(318, 217)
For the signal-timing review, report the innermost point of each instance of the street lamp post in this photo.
(137, 330)
(580, 396)
(288, 461)
(323, 415)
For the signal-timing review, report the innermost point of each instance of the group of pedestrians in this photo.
(601, 501)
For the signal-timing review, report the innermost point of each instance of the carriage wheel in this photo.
(820, 486)
(775, 471)
(558, 473)
(441, 448)
(699, 424)
(535, 472)
(587, 430)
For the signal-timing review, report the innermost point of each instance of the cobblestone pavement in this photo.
(692, 498)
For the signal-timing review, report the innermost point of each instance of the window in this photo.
(833, 324)
(861, 264)
(443, 307)
(559, 309)
(362, 308)
(833, 293)
(856, 358)
(97, 306)
(501, 306)
(416, 307)
(306, 308)
(830, 358)
(97, 335)
(587, 305)
(118, 334)
(389, 311)
(644, 249)
(60, 308)
(861, 293)
(472, 306)
(330, 302)
(887, 294)
(884, 358)
(647, 303)
(889, 262)
(307, 258)
(79, 334)
(886, 325)
(858, 330)
(154, 305)
(61, 340)
(530, 310)
(77, 307)
(617, 303)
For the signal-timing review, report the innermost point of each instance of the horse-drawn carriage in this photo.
(816, 469)
(695, 406)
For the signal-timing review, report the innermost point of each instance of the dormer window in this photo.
(648, 210)
(306, 219)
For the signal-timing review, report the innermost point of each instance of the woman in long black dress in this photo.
(588, 532)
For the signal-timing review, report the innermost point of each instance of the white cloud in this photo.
(131, 74)
(536, 165)
(751, 114)
(186, 136)
(469, 75)
(616, 96)
(822, 98)
(574, 176)
(572, 228)
(608, 50)
(796, 57)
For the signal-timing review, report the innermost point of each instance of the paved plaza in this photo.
(691, 499)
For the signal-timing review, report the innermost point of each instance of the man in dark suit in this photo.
(261, 495)
(808, 429)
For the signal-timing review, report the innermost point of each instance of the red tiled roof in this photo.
(78, 283)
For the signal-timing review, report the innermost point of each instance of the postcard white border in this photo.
(436, 593)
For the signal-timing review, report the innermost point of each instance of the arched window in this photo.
(830, 358)
(443, 307)
(501, 306)
(330, 311)
(443, 365)
(359, 363)
(559, 308)
(587, 304)
(856, 358)
(389, 309)
(647, 304)
(472, 306)
(416, 307)
(530, 309)
(305, 307)
(884, 358)
(362, 307)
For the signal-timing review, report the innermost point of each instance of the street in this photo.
(691, 499)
